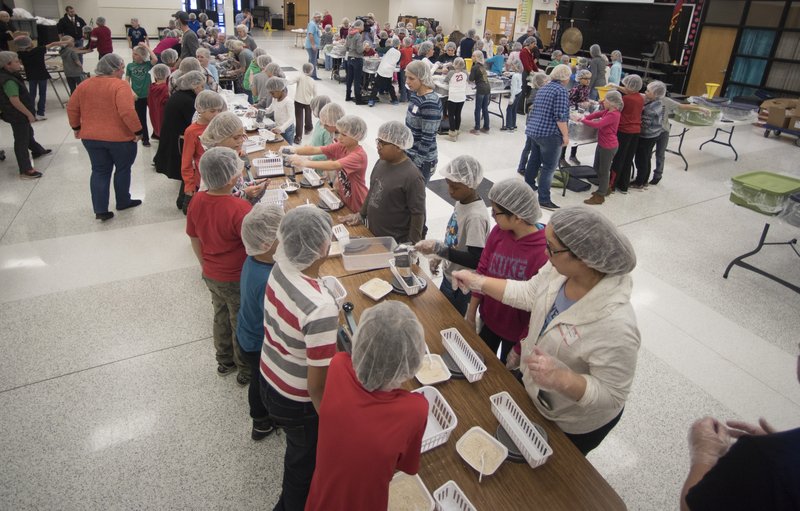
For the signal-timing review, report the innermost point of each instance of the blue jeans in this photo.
(482, 106)
(459, 300)
(354, 70)
(300, 424)
(545, 152)
(41, 85)
(328, 62)
(661, 149)
(427, 168)
(526, 152)
(401, 85)
(288, 135)
(105, 156)
(511, 111)
(312, 58)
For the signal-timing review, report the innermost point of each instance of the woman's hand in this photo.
(512, 361)
(353, 219)
(433, 265)
(467, 281)
(429, 247)
(545, 370)
(708, 441)
(739, 429)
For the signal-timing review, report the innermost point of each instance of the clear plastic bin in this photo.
(698, 117)
(765, 192)
(739, 112)
(368, 253)
(791, 213)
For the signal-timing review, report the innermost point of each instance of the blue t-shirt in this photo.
(312, 29)
(137, 35)
(561, 304)
(496, 64)
(253, 285)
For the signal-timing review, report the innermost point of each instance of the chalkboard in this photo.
(630, 28)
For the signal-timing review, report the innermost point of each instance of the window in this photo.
(725, 12)
(765, 14)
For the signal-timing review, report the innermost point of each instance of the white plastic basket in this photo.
(530, 443)
(330, 199)
(270, 165)
(312, 177)
(464, 356)
(341, 233)
(336, 288)
(405, 489)
(449, 497)
(274, 197)
(410, 290)
(441, 419)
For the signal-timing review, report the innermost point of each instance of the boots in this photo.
(595, 200)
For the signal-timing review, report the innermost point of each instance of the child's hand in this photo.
(255, 190)
(277, 131)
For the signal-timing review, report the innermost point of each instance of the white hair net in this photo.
(7, 57)
(397, 133)
(169, 56)
(224, 125)
(658, 89)
(358, 24)
(274, 69)
(190, 64)
(190, 80)
(517, 197)
(304, 236)
(388, 347)
(109, 64)
(459, 64)
(260, 228)
(615, 98)
(464, 169)
(477, 57)
(317, 103)
(422, 71)
(330, 114)
(218, 165)
(275, 84)
(593, 239)
(208, 100)
(583, 73)
(352, 126)
(594, 50)
(424, 48)
(262, 61)
(632, 82)
(561, 72)
(161, 71)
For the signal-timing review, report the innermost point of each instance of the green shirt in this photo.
(320, 137)
(11, 88)
(140, 77)
(251, 70)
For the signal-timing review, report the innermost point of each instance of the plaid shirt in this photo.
(550, 106)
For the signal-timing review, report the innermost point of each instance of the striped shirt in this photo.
(423, 118)
(300, 325)
(550, 107)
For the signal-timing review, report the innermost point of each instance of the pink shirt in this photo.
(351, 182)
(606, 122)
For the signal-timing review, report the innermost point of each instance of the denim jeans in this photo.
(41, 86)
(313, 56)
(545, 152)
(427, 168)
(526, 153)
(401, 85)
(511, 111)
(328, 62)
(258, 411)
(288, 135)
(300, 424)
(661, 150)
(354, 68)
(459, 300)
(23, 143)
(141, 110)
(482, 107)
(72, 82)
(108, 157)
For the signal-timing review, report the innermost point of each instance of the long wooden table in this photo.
(566, 481)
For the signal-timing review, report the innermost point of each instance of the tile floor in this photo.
(108, 392)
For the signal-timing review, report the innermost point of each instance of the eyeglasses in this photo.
(552, 252)
(496, 214)
(382, 143)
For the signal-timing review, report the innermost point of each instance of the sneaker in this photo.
(262, 429)
(624, 192)
(655, 181)
(548, 205)
(395, 102)
(40, 117)
(484, 130)
(574, 161)
(636, 186)
(108, 215)
(596, 199)
(146, 143)
(225, 370)
(563, 163)
(504, 129)
(30, 174)
(132, 204)
(242, 379)
(475, 132)
(43, 153)
(371, 103)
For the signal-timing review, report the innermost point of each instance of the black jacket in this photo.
(178, 113)
(33, 61)
(8, 111)
(67, 27)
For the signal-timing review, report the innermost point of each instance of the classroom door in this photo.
(545, 27)
(711, 58)
(500, 22)
(296, 13)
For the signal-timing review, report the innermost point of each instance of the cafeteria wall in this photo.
(151, 13)
(352, 8)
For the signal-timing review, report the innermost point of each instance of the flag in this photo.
(676, 13)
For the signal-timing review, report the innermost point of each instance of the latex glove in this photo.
(429, 247)
(739, 428)
(353, 219)
(512, 361)
(708, 441)
(255, 190)
(433, 265)
(288, 149)
(298, 161)
(545, 370)
(467, 281)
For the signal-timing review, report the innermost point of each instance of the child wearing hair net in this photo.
(606, 121)
(138, 75)
(319, 135)
(515, 249)
(652, 122)
(157, 97)
(282, 107)
(301, 321)
(259, 235)
(630, 125)
(207, 104)
(395, 203)
(369, 427)
(214, 226)
(578, 98)
(465, 235)
(346, 158)
(305, 92)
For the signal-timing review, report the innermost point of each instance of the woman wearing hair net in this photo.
(178, 114)
(598, 68)
(652, 122)
(515, 249)
(346, 158)
(423, 117)
(579, 357)
(395, 203)
(369, 427)
(630, 125)
(465, 234)
(259, 235)
(301, 321)
(102, 115)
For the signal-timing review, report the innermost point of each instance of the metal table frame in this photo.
(739, 261)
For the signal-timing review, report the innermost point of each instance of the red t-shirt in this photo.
(406, 56)
(190, 157)
(100, 38)
(364, 437)
(351, 185)
(503, 257)
(156, 100)
(217, 221)
(630, 120)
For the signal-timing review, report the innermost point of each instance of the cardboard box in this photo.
(794, 120)
(779, 111)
